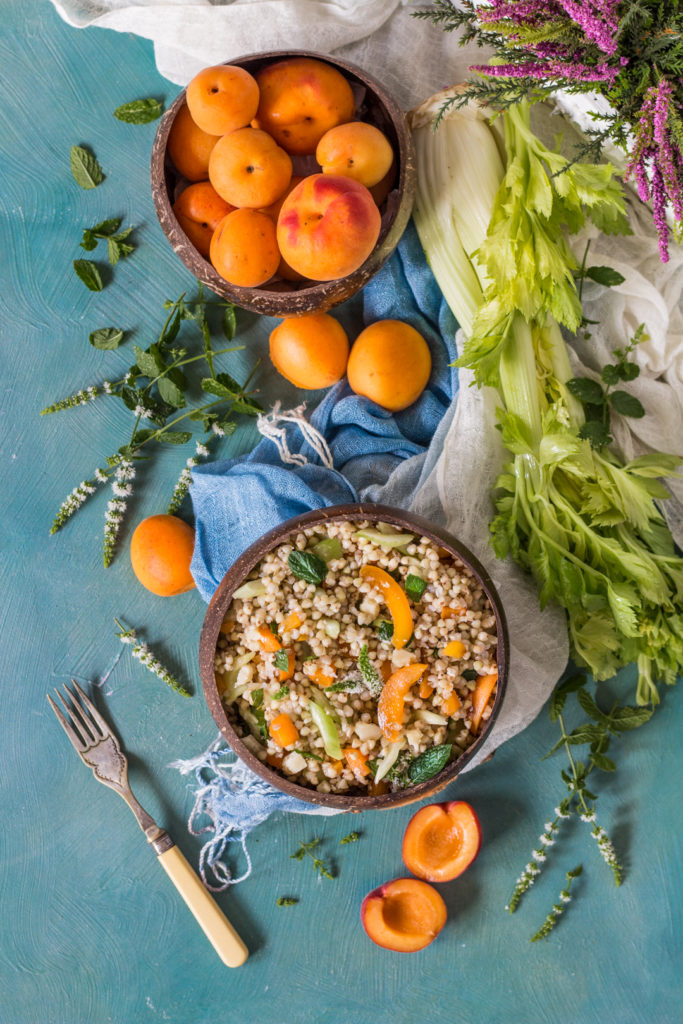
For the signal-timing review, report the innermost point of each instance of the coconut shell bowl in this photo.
(280, 297)
(240, 571)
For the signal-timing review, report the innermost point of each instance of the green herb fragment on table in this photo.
(286, 901)
(305, 850)
(109, 230)
(85, 169)
(89, 274)
(139, 111)
(141, 651)
(106, 338)
(352, 837)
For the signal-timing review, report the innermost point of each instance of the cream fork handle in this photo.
(207, 913)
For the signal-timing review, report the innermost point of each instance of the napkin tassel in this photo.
(268, 424)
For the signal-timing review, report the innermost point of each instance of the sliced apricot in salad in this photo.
(441, 841)
(480, 697)
(283, 730)
(392, 699)
(267, 639)
(396, 600)
(454, 649)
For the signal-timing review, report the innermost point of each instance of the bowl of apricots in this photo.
(283, 180)
(355, 657)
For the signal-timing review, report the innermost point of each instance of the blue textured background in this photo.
(90, 929)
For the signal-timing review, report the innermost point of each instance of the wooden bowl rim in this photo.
(236, 575)
(326, 293)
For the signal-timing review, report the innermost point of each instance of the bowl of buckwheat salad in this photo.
(355, 656)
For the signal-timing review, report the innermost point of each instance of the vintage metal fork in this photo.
(99, 748)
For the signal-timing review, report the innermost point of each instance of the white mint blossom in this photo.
(141, 651)
(122, 489)
(75, 499)
(185, 479)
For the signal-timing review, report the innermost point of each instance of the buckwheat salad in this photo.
(358, 658)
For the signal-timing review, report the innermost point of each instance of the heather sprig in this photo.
(628, 51)
(141, 651)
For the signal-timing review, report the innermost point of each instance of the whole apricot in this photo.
(189, 147)
(244, 248)
(248, 168)
(222, 98)
(300, 99)
(310, 351)
(328, 226)
(390, 363)
(357, 150)
(160, 553)
(199, 210)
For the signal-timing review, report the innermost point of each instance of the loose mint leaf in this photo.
(586, 390)
(627, 405)
(345, 685)
(415, 587)
(139, 111)
(469, 674)
(307, 566)
(171, 393)
(369, 672)
(352, 837)
(385, 630)
(148, 364)
(281, 660)
(605, 276)
(105, 228)
(175, 436)
(106, 338)
(86, 171)
(89, 274)
(429, 764)
(286, 901)
(281, 693)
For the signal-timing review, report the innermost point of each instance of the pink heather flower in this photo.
(598, 20)
(659, 212)
(551, 69)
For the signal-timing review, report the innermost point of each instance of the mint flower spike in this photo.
(75, 499)
(607, 851)
(533, 868)
(185, 479)
(122, 488)
(81, 397)
(558, 908)
(141, 651)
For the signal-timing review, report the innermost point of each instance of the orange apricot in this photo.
(328, 226)
(405, 915)
(160, 552)
(189, 147)
(222, 98)
(248, 168)
(355, 150)
(310, 351)
(390, 363)
(199, 210)
(441, 841)
(300, 99)
(244, 248)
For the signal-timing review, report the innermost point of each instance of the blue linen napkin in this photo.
(237, 500)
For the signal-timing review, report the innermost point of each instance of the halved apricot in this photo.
(441, 841)
(392, 699)
(404, 915)
(396, 600)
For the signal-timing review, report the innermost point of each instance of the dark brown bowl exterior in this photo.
(236, 575)
(287, 298)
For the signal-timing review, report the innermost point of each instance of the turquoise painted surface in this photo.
(90, 929)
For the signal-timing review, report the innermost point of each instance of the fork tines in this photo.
(83, 723)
